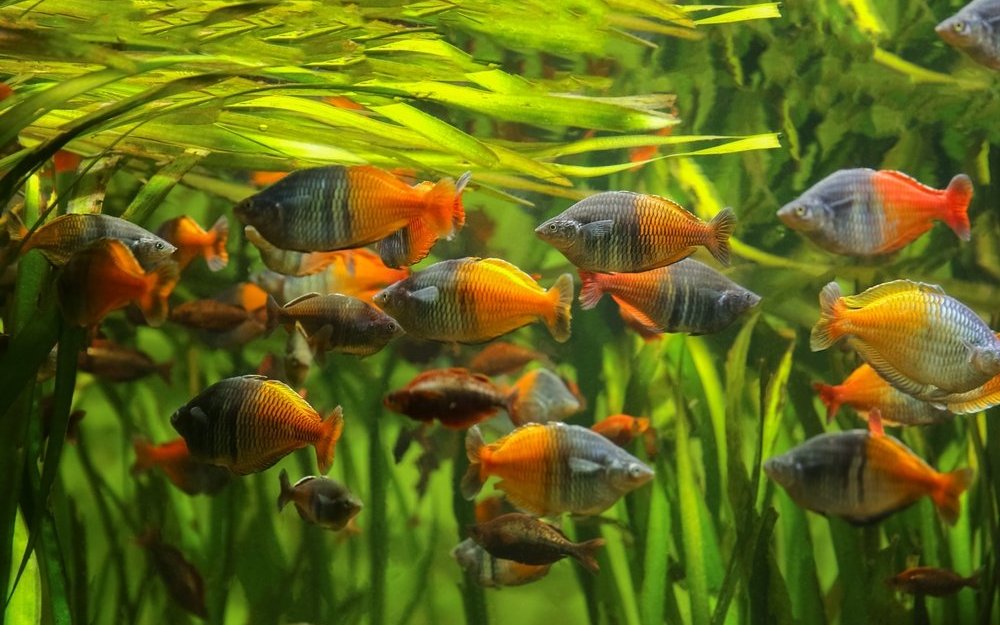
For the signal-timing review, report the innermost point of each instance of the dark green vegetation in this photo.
(200, 95)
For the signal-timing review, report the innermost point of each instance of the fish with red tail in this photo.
(551, 468)
(540, 396)
(687, 296)
(473, 300)
(863, 212)
(248, 423)
(863, 477)
(491, 572)
(182, 580)
(455, 397)
(192, 241)
(336, 322)
(926, 580)
(622, 231)
(111, 361)
(622, 429)
(66, 235)
(184, 472)
(105, 277)
(319, 500)
(528, 540)
(865, 390)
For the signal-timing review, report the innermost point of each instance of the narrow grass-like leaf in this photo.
(691, 529)
(773, 402)
(438, 132)
(654, 586)
(153, 192)
(765, 10)
(921, 75)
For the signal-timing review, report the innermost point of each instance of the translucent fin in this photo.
(824, 333)
(721, 228)
(216, 256)
(950, 487)
(558, 320)
(590, 291)
(333, 426)
(285, 495)
(956, 209)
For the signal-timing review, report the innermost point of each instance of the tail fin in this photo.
(559, 317)
(154, 303)
(956, 206)
(273, 315)
(830, 396)
(472, 481)
(511, 408)
(972, 581)
(16, 229)
(332, 428)
(216, 256)
(950, 486)
(585, 554)
(286, 490)
(590, 291)
(444, 211)
(163, 370)
(144, 460)
(721, 227)
(825, 333)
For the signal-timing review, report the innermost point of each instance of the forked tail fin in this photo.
(956, 206)
(154, 302)
(472, 481)
(830, 396)
(825, 333)
(332, 427)
(585, 554)
(950, 487)
(721, 227)
(216, 256)
(444, 212)
(560, 315)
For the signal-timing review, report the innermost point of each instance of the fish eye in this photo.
(634, 470)
(553, 227)
(159, 246)
(800, 211)
(959, 26)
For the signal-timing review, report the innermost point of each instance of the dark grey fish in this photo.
(975, 30)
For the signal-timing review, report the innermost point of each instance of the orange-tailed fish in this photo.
(863, 212)
(528, 540)
(289, 262)
(455, 397)
(174, 459)
(919, 339)
(319, 500)
(976, 400)
(111, 361)
(540, 396)
(622, 429)
(334, 208)
(684, 297)
(359, 273)
(183, 581)
(192, 240)
(551, 468)
(975, 30)
(472, 300)
(865, 389)
(248, 423)
(66, 235)
(336, 322)
(106, 276)
(501, 357)
(622, 231)
(864, 477)
(491, 572)
(926, 580)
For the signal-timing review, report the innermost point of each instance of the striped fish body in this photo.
(248, 423)
(472, 300)
(622, 231)
(551, 468)
(66, 235)
(687, 296)
(863, 212)
(337, 322)
(455, 397)
(491, 572)
(865, 389)
(976, 400)
(862, 477)
(919, 339)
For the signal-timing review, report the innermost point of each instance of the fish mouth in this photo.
(946, 31)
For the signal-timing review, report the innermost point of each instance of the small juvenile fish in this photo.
(248, 423)
(106, 276)
(209, 314)
(865, 389)
(336, 322)
(334, 208)
(289, 262)
(684, 297)
(976, 400)
(455, 397)
(926, 580)
(540, 396)
(975, 30)
(622, 231)
(192, 240)
(66, 235)
(359, 273)
(491, 572)
(319, 500)
(864, 477)
(501, 357)
(551, 468)
(472, 300)
(298, 357)
(863, 212)
(174, 459)
(912, 334)
(525, 539)
(622, 429)
(118, 363)
(182, 580)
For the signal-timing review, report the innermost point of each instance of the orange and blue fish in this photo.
(863, 212)
(865, 390)
(174, 459)
(540, 396)
(192, 241)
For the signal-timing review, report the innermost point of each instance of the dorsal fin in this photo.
(301, 298)
(887, 289)
(510, 271)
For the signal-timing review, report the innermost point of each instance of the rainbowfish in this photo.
(975, 30)
(864, 477)
(525, 539)
(319, 500)
(289, 262)
(622, 429)
(976, 400)
(551, 468)
(336, 322)
(502, 357)
(334, 208)
(182, 580)
(111, 361)
(455, 397)
(684, 297)
(920, 340)
(174, 459)
(359, 273)
(622, 231)
(540, 396)
(926, 580)
(209, 314)
(491, 572)
(863, 212)
(106, 276)
(472, 300)
(865, 389)
(66, 235)
(248, 423)
(192, 240)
